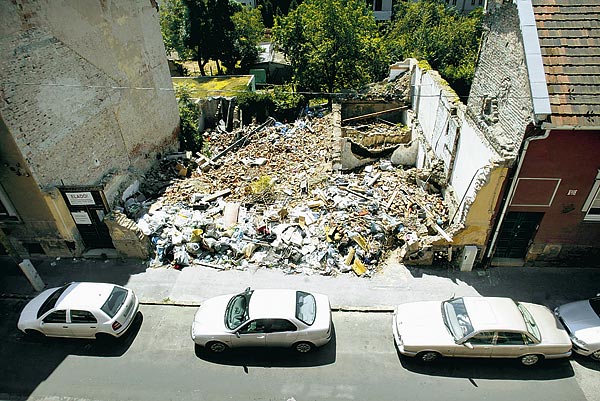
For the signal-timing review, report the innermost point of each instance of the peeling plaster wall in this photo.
(70, 71)
(474, 169)
(85, 99)
(474, 161)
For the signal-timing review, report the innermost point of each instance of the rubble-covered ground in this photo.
(269, 198)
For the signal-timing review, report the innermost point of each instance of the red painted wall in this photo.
(574, 157)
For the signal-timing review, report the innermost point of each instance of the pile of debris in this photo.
(268, 198)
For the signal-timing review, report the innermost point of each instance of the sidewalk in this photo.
(395, 284)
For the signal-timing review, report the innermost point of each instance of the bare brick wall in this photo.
(86, 88)
(499, 101)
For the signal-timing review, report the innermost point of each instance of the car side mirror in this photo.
(237, 334)
(468, 345)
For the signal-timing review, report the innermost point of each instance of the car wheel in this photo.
(428, 356)
(35, 335)
(216, 346)
(530, 360)
(303, 347)
(595, 355)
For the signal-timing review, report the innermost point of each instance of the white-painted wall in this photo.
(446, 133)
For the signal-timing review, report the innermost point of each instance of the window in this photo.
(484, 338)
(82, 316)
(377, 5)
(306, 307)
(457, 318)
(509, 338)
(59, 316)
(592, 203)
(114, 302)
(472, 2)
(51, 301)
(280, 325)
(255, 326)
(530, 323)
(236, 312)
(7, 211)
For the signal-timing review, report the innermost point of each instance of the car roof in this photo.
(272, 303)
(85, 295)
(494, 313)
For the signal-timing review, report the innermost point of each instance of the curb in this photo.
(340, 309)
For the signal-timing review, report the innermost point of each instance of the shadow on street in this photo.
(27, 362)
(494, 369)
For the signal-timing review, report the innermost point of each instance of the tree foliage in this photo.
(220, 30)
(190, 137)
(174, 25)
(274, 8)
(332, 45)
(248, 31)
(430, 30)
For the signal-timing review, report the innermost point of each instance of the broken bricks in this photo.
(273, 201)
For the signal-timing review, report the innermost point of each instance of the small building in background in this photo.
(271, 66)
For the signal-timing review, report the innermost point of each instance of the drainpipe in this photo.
(511, 190)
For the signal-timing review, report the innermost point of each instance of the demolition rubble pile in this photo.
(268, 198)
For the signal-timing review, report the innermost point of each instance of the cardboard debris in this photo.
(269, 198)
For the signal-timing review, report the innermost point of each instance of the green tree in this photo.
(220, 30)
(430, 30)
(189, 136)
(174, 25)
(248, 31)
(332, 45)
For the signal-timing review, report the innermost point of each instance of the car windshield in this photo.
(529, 322)
(51, 301)
(115, 301)
(237, 309)
(306, 307)
(456, 318)
(595, 304)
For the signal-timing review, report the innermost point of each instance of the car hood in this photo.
(421, 323)
(29, 312)
(551, 329)
(210, 316)
(581, 320)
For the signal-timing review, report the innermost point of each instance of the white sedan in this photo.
(263, 318)
(480, 327)
(80, 310)
(582, 321)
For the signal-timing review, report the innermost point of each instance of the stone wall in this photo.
(499, 101)
(86, 87)
(85, 100)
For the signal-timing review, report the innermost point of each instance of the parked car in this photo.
(582, 321)
(80, 310)
(479, 327)
(263, 318)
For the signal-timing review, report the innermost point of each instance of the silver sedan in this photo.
(582, 321)
(479, 327)
(263, 318)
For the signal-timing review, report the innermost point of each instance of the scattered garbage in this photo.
(269, 199)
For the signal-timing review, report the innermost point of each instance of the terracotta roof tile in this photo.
(569, 34)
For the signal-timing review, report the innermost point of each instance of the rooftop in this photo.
(569, 35)
(226, 86)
